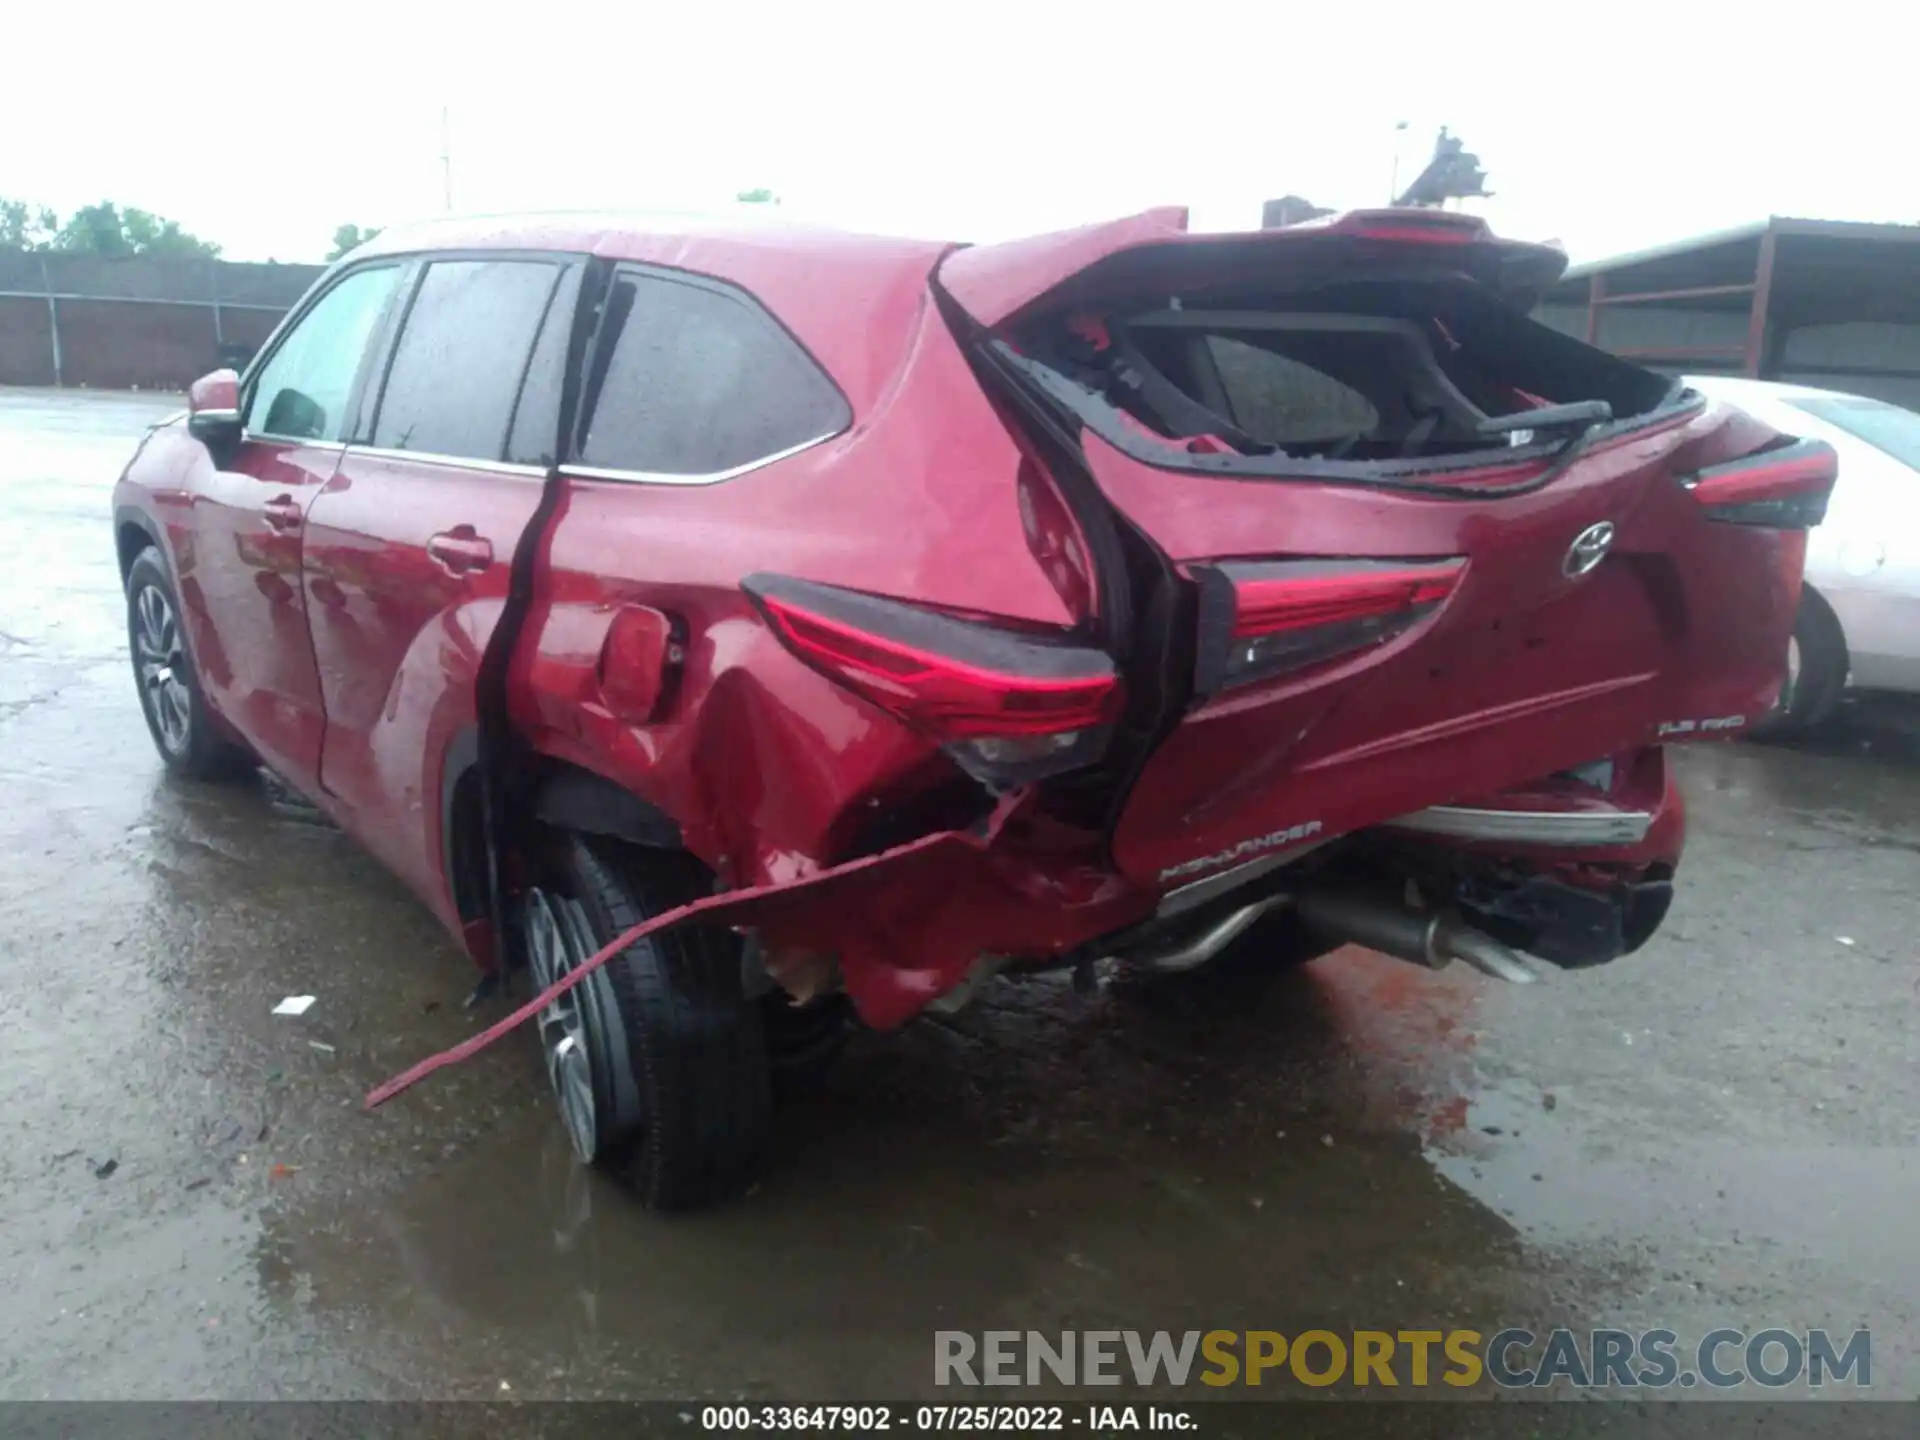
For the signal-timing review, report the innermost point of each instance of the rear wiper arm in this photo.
(1580, 415)
(1580, 421)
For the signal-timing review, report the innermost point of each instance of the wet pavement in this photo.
(1718, 1131)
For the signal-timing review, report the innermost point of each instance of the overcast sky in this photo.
(263, 126)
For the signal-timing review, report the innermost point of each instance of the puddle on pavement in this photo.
(1049, 1160)
(1062, 1162)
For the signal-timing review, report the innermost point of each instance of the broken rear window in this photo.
(1363, 371)
(1283, 401)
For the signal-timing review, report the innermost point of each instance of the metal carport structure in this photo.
(1820, 302)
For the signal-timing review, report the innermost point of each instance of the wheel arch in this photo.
(571, 797)
(556, 793)
(463, 847)
(134, 531)
(1810, 591)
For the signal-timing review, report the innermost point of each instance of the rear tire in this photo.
(182, 727)
(661, 1066)
(1816, 671)
(804, 1041)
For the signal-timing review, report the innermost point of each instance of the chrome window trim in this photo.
(223, 416)
(1530, 827)
(329, 281)
(655, 477)
(431, 457)
(310, 444)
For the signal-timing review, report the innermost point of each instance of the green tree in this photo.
(105, 229)
(350, 237)
(758, 196)
(26, 227)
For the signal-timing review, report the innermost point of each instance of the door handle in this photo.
(282, 513)
(460, 551)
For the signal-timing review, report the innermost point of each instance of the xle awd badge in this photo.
(1589, 548)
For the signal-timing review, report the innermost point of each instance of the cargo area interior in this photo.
(1356, 370)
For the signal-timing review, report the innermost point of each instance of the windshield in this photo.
(1883, 426)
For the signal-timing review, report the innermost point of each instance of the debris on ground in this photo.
(282, 1172)
(105, 1168)
(288, 803)
(201, 1183)
(294, 1005)
(320, 1045)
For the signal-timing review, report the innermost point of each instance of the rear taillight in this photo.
(1785, 488)
(1007, 707)
(1260, 618)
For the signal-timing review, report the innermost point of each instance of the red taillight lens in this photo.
(1785, 488)
(1263, 618)
(1007, 706)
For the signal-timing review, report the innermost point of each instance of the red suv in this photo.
(1123, 594)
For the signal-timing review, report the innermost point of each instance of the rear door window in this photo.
(303, 390)
(536, 416)
(461, 357)
(696, 379)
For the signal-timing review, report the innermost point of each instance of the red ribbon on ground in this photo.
(739, 905)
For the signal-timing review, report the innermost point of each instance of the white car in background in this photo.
(1859, 620)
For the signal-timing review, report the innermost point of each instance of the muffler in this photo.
(1431, 938)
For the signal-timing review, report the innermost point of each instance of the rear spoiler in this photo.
(1155, 253)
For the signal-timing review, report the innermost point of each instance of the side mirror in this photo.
(213, 413)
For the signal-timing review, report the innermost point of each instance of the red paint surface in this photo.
(219, 390)
(398, 637)
(235, 536)
(345, 647)
(996, 283)
(1520, 672)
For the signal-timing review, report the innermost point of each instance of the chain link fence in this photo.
(137, 323)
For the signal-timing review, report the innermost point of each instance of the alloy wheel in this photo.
(579, 1033)
(161, 660)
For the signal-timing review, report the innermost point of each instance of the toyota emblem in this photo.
(1589, 548)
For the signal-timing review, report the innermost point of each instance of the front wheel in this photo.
(176, 712)
(658, 1060)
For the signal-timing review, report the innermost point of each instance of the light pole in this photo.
(1393, 182)
(446, 161)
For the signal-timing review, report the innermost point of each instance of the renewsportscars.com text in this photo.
(1771, 1358)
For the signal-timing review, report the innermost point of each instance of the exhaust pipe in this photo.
(1433, 939)
(1199, 948)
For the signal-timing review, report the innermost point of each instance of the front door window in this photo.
(302, 391)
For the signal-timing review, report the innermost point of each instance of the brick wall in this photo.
(145, 323)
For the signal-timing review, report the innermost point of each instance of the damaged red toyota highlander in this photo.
(1119, 594)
